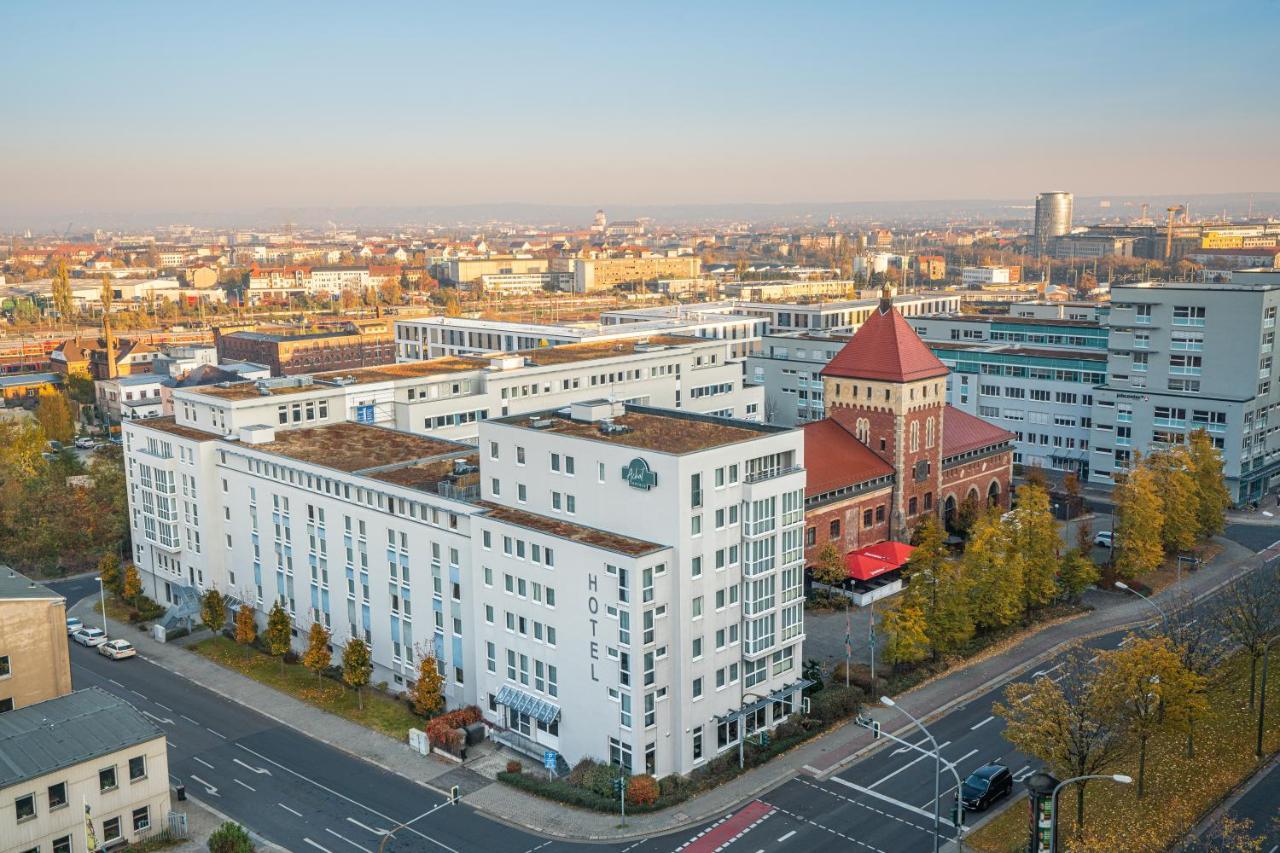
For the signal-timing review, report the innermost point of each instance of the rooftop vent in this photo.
(611, 428)
(540, 423)
(464, 466)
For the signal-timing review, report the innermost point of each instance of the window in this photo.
(697, 688)
(25, 807)
(5, 671)
(62, 845)
(110, 829)
(57, 795)
(141, 818)
(137, 768)
(107, 779)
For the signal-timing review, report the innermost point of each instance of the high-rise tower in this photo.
(1053, 218)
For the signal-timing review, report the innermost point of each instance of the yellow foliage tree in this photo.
(1179, 526)
(1212, 497)
(1034, 536)
(246, 625)
(829, 567)
(428, 690)
(53, 413)
(317, 657)
(132, 587)
(994, 571)
(1139, 546)
(905, 637)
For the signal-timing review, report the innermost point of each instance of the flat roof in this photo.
(248, 389)
(661, 430)
(352, 447)
(16, 587)
(573, 532)
(17, 380)
(428, 475)
(71, 729)
(1008, 318)
(171, 426)
(1002, 348)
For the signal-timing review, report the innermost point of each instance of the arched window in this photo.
(863, 430)
(929, 433)
(993, 493)
(915, 436)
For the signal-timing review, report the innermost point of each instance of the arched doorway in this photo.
(949, 512)
(993, 493)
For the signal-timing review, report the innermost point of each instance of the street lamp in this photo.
(1053, 831)
(937, 774)
(1164, 617)
(102, 599)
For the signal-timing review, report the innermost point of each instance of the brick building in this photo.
(890, 450)
(359, 343)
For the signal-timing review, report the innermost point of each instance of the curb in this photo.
(257, 839)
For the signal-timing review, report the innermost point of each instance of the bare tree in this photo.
(1249, 613)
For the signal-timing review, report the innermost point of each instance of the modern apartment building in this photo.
(34, 662)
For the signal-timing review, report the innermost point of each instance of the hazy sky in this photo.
(137, 106)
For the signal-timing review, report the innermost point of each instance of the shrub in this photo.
(148, 609)
(642, 790)
(675, 787)
(859, 676)
(835, 703)
(515, 767)
(440, 728)
(230, 838)
(600, 779)
(578, 775)
(559, 791)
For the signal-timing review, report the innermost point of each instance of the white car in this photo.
(117, 649)
(1105, 538)
(90, 637)
(84, 442)
(74, 624)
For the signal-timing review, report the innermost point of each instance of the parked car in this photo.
(74, 624)
(90, 637)
(985, 785)
(85, 442)
(117, 649)
(1105, 538)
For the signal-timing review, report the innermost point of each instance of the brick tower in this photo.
(889, 390)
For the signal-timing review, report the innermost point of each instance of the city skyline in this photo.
(151, 109)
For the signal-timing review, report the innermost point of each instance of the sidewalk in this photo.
(820, 757)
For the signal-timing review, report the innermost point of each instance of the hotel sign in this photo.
(639, 475)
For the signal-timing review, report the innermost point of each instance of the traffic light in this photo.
(957, 813)
(875, 729)
(619, 785)
(454, 793)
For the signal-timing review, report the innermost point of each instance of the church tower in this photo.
(889, 390)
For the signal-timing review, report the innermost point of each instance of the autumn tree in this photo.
(452, 308)
(277, 635)
(428, 691)
(357, 667)
(905, 637)
(1144, 685)
(1139, 522)
(109, 571)
(1249, 612)
(1194, 638)
(1076, 573)
(994, 572)
(246, 624)
(1212, 497)
(938, 588)
(829, 567)
(317, 657)
(1179, 526)
(63, 302)
(967, 514)
(1033, 535)
(132, 586)
(1064, 723)
(213, 610)
(390, 292)
(53, 413)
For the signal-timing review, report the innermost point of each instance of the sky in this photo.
(141, 106)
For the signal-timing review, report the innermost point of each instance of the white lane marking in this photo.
(317, 846)
(905, 748)
(1024, 698)
(1126, 641)
(259, 770)
(170, 744)
(348, 840)
(212, 732)
(136, 693)
(116, 683)
(366, 828)
(329, 790)
(1023, 773)
(802, 819)
(189, 720)
(164, 721)
(166, 707)
(202, 761)
(979, 725)
(293, 812)
(1040, 672)
(785, 837)
(209, 789)
(920, 757)
(243, 785)
(869, 807)
(888, 799)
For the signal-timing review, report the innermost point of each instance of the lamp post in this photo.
(937, 775)
(1164, 617)
(1053, 833)
(1262, 703)
(102, 600)
(742, 729)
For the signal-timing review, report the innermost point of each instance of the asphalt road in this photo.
(1261, 807)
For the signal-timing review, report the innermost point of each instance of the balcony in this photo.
(759, 646)
(1172, 423)
(771, 473)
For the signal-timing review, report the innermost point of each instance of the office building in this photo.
(978, 277)
(595, 274)
(1086, 245)
(34, 662)
(349, 345)
(1053, 218)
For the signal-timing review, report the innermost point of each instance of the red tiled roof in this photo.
(834, 458)
(962, 432)
(885, 348)
(874, 560)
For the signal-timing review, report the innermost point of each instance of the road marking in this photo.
(348, 840)
(212, 732)
(906, 748)
(189, 720)
(814, 823)
(293, 812)
(1093, 659)
(1023, 773)
(979, 725)
(202, 761)
(243, 785)
(888, 799)
(116, 683)
(166, 707)
(170, 744)
(136, 693)
(259, 770)
(329, 790)
(1024, 698)
(366, 828)
(1126, 641)
(162, 720)
(920, 757)
(209, 789)
(317, 846)
(1040, 672)
(785, 837)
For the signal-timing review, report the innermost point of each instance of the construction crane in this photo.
(1173, 210)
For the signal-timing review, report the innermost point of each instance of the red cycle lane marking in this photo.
(728, 830)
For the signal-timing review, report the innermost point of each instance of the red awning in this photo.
(874, 560)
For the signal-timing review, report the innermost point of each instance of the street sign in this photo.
(549, 759)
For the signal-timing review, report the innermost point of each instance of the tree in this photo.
(905, 637)
(230, 838)
(938, 588)
(80, 389)
(1177, 489)
(53, 413)
(428, 690)
(349, 299)
(967, 514)
(213, 610)
(1194, 639)
(1139, 522)
(109, 570)
(389, 291)
(132, 586)
(829, 567)
(1146, 687)
(21, 444)
(452, 308)
(1249, 612)
(277, 635)
(317, 657)
(1034, 536)
(995, 573)
(63, 302)
(357, 667)
(246, 624)
(1076, 573)
(1212, 497)
(1063, 723)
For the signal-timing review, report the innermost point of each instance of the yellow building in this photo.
(34, 663)
(1215, 240)
(87, 759)
(592, 274)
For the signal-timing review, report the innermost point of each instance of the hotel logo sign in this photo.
(639, 475)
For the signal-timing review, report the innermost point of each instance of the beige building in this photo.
(88, 750)
(467, 270)
(34, 664)
(591, 274)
